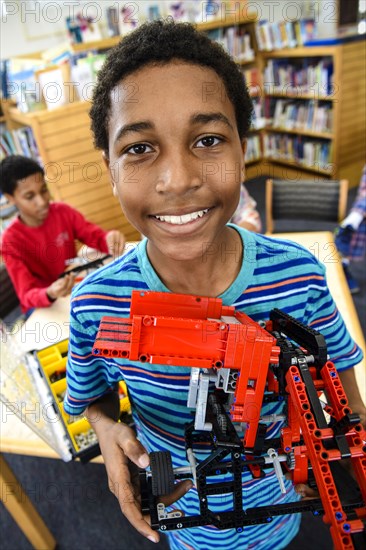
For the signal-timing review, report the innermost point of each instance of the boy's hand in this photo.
(119, 445)
(306, 492)
(116, 243)
(61, 287)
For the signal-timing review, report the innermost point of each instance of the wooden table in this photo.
(321, 244)
(16, 437)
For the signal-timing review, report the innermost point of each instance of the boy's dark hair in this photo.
(15, 168)
(160, 42)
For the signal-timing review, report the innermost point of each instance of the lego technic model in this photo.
(237, 365)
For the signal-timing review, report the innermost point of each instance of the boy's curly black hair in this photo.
(15, 168)
(160, 42)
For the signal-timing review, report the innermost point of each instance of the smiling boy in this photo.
(170, 114)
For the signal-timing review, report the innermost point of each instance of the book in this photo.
(276, 36)
(308, 30)
(283, 34)
(297, 29)
(112, 21)
(53, 91)
(5, 147)
(9, 140)
(267, 37)
(291, 36)
(24, 89)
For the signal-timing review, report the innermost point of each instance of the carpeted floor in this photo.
(81, 513)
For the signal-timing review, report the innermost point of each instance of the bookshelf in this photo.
(99, 45)
(314, 107)
(325, 138)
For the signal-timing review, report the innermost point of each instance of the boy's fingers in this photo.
(180, 489)
(126, 495)
(136, 453)
(306, 492)
(132, 512)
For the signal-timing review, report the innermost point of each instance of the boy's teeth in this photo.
(180, 220)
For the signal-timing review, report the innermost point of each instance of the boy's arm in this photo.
(355, 400)
(29, 290)
(111, 242)
(27, 287)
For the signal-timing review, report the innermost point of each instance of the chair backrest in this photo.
(305, 201)
(8, 298)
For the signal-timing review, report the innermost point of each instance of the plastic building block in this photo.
(75, 432)
(249, 364)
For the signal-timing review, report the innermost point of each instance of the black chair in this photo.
(305, 205)
(8, 299)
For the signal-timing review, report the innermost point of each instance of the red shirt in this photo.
(35, 256)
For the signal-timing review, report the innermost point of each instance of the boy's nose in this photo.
(178, 175)
(41, 201)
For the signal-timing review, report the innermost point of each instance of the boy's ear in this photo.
(105, 159)
(107, 164)
(9, 198)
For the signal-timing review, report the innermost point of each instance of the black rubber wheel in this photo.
(162, 474)
(222, 422)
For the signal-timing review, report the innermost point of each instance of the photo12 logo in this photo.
(51, 12)
(269, 10)
(84, 11)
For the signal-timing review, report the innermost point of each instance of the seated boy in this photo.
(170, 113)
(38, 243)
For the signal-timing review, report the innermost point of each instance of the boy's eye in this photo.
(208, 141)
(139, 149)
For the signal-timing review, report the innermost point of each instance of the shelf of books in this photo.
(286, 34)
(236, 36)
(17, 141)
(314, 111)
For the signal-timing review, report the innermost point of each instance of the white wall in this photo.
(29, 26)
(32, 26)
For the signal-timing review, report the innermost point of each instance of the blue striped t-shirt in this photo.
(274, 274)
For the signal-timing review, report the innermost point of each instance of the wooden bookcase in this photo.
(347, 102)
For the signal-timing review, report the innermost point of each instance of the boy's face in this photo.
(32, 198)
(175, 156)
